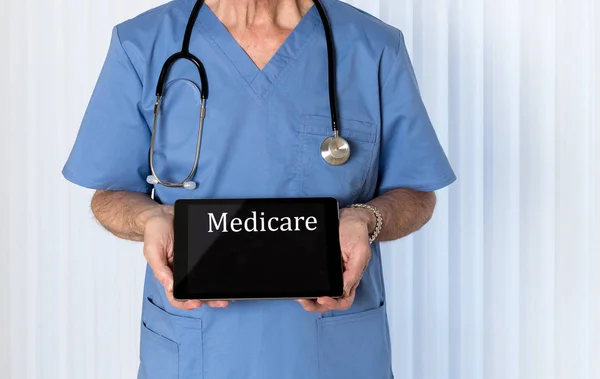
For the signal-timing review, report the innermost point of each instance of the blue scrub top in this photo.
(261, 138)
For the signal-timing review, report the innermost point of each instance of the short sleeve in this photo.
(411, 155)
(112, 145)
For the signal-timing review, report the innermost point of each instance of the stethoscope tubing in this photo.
(156, 179)
(186, 55)
(331, 72)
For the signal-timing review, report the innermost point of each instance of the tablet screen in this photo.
(257, 248)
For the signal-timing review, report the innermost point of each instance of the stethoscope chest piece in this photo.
(335, 150)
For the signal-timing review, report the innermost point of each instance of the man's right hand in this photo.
(158, 250)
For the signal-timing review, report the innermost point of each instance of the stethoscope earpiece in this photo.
(188, 184)
(151, 179)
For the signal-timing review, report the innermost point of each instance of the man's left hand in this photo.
(356, 253)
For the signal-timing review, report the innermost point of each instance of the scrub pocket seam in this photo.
(159, 337)
(182, 329)
(300, 163)
(368, 171)
(189, 322)
(338, 357)
(348, 132)
(357, 132)
(171, 348)
(349, 318)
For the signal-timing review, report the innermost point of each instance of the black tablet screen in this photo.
(261, 248)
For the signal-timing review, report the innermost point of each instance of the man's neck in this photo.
(257, 14)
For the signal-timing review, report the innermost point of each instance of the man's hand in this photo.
(136, 217)
(356, 253)
(158, 250)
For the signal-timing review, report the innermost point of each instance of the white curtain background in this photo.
(503, 282)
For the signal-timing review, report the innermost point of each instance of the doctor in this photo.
(267, 114)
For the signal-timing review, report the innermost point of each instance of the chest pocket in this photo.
(345, 182)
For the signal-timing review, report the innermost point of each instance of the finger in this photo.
(351, 279)
(340, 304)
(328, 302)
(217, 303)
(167, 283)
(353, 273)
(312, 306)
(183, 304)
(164, 275)
(192, 304)
(160, 267)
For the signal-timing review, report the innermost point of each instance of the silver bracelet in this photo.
(378, 219)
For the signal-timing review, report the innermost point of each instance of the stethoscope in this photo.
(335, 150)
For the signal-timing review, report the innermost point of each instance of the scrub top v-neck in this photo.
(259, 80)
(261, 138)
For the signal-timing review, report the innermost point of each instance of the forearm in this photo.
(404, 212)
(124, 213)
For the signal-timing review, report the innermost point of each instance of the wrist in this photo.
(153, 211)
(362, 215)
(372, 218)
(368, 217)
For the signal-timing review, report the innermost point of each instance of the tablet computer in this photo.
(257, 249)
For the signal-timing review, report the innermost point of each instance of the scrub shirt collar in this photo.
(260, 80)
